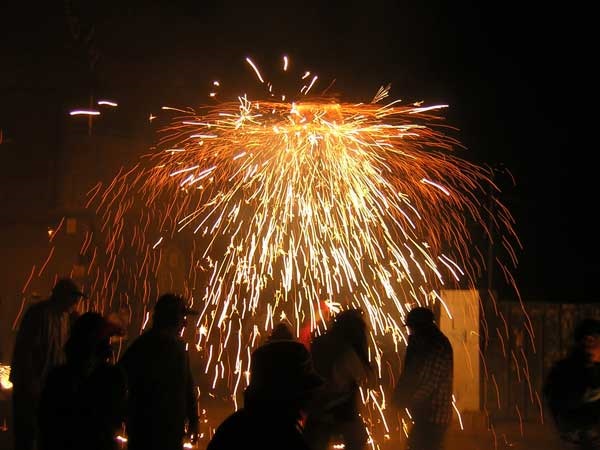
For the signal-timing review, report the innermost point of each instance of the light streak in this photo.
(249, 61)
(157, 243)
(457, 412)
(107, 103)
(311, 84)
(84, 112)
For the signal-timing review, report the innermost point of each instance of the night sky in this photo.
(517, 78)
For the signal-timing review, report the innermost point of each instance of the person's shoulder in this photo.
(562, 368)
(155, 342)
(131, 353)
(139, 342)
(231, 431)
(36, 309)
(237, 417)
(440, 340)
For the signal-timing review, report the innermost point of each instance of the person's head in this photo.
(350, 323)
(170, 312)
(350, 327)
(419, 319)
(281, 332)
(66, 294)
(89, 338)
(282, 377)
(587, 338)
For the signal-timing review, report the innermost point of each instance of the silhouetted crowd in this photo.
(70, 393)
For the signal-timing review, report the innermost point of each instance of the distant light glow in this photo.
(5, 378)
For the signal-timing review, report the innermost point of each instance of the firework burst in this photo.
(282, 206)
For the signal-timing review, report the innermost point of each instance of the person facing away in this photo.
(282, 384)
(83, 401)
(281, 332)
(425, 384)
(341, 357)
(572, 389)
(38, 348)
(162, 399)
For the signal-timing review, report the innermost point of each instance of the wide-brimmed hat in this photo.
(282, 370)
(419, 316)
(67, 287)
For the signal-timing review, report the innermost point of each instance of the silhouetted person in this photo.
(83, 401)
(282, 384)
(572, 389)
(341, 357)
(425, 384)
(39, 343)
(162, 398)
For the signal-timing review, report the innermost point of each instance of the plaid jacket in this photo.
(425, 385)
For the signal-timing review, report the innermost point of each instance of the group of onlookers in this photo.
(70, 392)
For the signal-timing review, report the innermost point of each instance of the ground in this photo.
(505, 435)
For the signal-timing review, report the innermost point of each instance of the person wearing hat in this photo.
(39, 343)
(572, 389)
(82, 403)
(425, 384)
(162, 398)
(282, 384)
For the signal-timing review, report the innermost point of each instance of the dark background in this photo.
(518, 78)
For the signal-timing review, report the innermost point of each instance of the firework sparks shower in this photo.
(288, 203)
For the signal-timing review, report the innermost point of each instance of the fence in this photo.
(519, 344)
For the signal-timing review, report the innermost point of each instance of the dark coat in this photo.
(255, 429)
(82, 410)
(39, 345)
(162, 396)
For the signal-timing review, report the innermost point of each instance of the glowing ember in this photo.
(4, 377)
